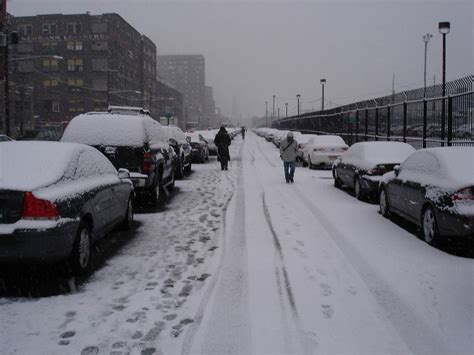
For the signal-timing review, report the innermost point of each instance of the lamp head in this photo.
(444, 27)
(323, 81)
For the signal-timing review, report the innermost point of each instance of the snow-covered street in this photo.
(239, 262)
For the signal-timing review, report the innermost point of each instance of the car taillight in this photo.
(146, 165)
(378, 170)
(35, 208)
(464, 195)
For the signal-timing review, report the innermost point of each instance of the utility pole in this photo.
(278, 113)
(286, 108)
(393, 88)
(298, 98)
(273, 114)
(323, 82)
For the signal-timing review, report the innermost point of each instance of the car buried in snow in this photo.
(361, 167)
(199, 148)
(133, 142)
(433, 188)
(5, 138)
(56, 200)
(323, 150)
(177, 140)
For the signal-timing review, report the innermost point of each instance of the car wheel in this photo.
(180, 169)
(430, 227)
(358, 191)
(172, 181)
(310, 166)
(305, 164)
(188, 168)
(80, 258)
(128, 220)
(383, 203)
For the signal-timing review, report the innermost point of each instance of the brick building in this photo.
(83, 63)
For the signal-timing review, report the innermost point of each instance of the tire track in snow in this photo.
(221, 268)
(282, 277)
(396, 310)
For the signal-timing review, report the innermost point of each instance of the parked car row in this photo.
(58, 198)
(432, 188)
(313, 150)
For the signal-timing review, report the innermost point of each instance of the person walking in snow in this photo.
(242, 131)
(222, 142)
(288, 149)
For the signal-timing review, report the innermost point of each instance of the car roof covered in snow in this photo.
(327, 140)
(30, 165)
(108, 129)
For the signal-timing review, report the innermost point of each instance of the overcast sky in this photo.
(256, 49)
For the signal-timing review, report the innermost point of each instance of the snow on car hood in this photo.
(106, 129)
(27, 166)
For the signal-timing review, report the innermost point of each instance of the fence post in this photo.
(376, 123)
(366, 123)
(405, 111)
(425, 115)
(443, 120)
(450, 120)
(357, 126)
(388, 122)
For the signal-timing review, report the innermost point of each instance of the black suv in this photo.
(134, 142)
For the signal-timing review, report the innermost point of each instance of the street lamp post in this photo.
(444, 28)
(426, 39)
(323, 82)
(286, 109)
(266, 113)
(298, 98)
(273, 114)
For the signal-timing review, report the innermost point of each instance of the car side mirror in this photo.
(123, 174)
(396, 169)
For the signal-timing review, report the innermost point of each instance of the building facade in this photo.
(186, 74)
(81, 63)
(209, 108)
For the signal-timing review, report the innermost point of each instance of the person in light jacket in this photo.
(288, 150)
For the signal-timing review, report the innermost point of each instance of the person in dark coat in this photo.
(222, 142)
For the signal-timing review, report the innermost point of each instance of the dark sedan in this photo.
(199, 147)
(364, 163)
(433, 188)
(56, 200)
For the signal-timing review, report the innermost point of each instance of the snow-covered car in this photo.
(199, 148)
(56, 200)
(5, 138)
(177, 140)
(136, 143)
(323, 150)
(433, 188)
(209, 137)
(464, 131)
(302, 140)
(363, 164)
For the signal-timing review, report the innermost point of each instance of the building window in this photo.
(99, 45)
(75, 64)
(50, 64)
(75, 82)
(50, 46)
(49, 28)
(25, 67)
(99, 64)
(50, 83)
(99, 27)
(76, 105)
(74, 28)
(25, 30)
(24, 47)
(100, 105)
(74, 46)
(55, 106)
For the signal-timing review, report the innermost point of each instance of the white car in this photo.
(323, 150)
(302, 140)
(209, 136)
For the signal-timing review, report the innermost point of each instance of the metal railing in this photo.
(422, 122)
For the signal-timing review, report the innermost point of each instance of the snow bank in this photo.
(107, 129)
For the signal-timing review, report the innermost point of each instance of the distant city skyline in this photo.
(257, 49)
